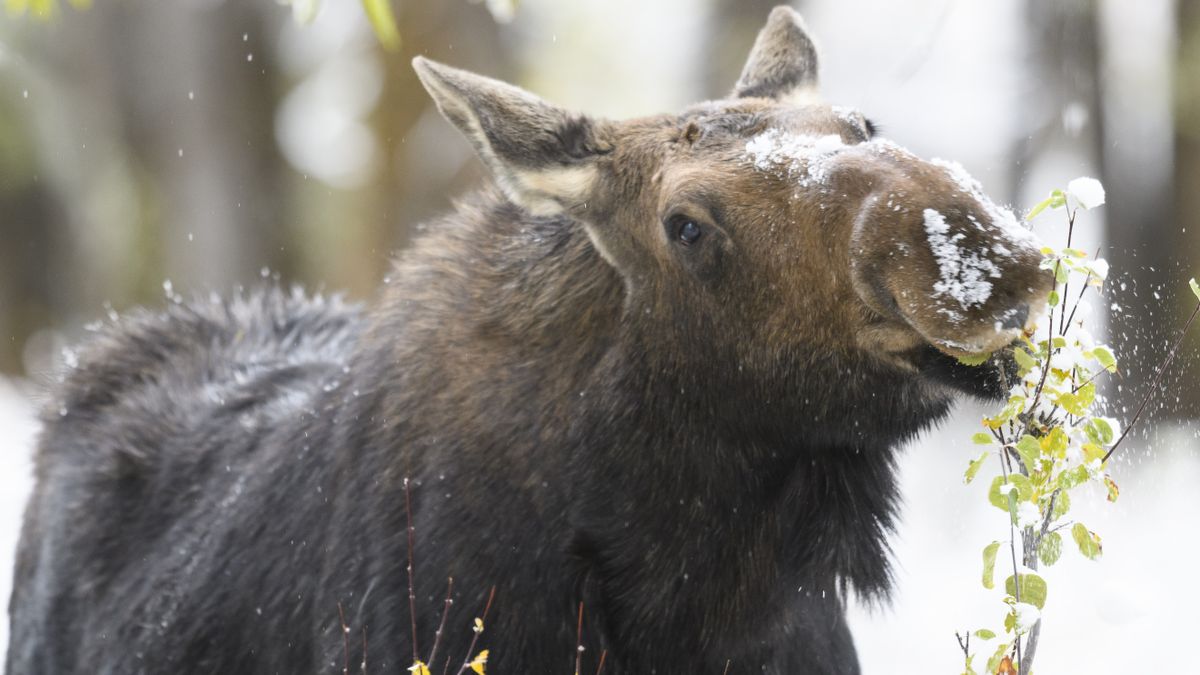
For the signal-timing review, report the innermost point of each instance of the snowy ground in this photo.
(16, 438)
(1132, 612)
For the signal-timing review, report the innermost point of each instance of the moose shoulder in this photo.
(661, 368)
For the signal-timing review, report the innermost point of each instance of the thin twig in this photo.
(579, 640)
(603, 653)
(1154, 386)
(437, 637)
(364, 659)
(727, 663)
(1012, 548)
(1062, 329)
(345, 640)
(471, 648)
(964, 642)
(412, 598)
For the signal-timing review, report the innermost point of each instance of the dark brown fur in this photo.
(695, 439)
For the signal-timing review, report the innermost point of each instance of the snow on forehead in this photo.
(804, 157)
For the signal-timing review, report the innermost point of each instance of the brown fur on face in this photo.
(812, 232)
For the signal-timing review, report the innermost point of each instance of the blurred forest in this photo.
(202, 142)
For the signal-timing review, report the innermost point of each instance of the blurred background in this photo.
(197, 145)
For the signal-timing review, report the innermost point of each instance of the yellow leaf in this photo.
(419, 668)
(478, 625)
(479, 662)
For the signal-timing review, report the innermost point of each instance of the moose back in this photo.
(661, 369)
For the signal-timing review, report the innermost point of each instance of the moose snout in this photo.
(953, 267)
(1016, 317)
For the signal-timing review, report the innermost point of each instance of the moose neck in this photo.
(756, 468)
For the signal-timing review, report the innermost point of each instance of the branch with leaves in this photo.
(1048, 441)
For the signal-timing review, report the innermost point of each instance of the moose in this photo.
(660, 368)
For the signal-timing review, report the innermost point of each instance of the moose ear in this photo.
(542, 156)
(783, 62)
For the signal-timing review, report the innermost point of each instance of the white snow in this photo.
(1028, 515)
(1027, 615)
(1085, 193)
(963, 274)
(1000, 217)
(17, 429)
(803, 157)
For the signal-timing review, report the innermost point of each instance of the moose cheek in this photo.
(706, 260)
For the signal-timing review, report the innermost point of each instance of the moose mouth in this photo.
(990, 380)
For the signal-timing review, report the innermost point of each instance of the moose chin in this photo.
(661, 367)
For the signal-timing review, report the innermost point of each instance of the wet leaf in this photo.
(974, 466)
(975, 359)
(1032, 589)
(479, 662)
(993, 664)
(1025, 361)
(985, 634)
(982, 438)
(999, 499)
(989, 564)
(1195, 287)
(1087, 541)
(1113, 490)
(1030, 451)
(1050, 548)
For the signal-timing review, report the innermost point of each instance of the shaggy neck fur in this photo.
(768, 484)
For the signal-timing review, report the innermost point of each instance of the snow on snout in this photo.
(964, 275)
(804, 157)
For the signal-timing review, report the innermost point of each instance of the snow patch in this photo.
(1085, 193)
(1001, 218)
(804, 157)
(963, 274)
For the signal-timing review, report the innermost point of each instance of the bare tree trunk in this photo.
(1182, 235)
(198, 90)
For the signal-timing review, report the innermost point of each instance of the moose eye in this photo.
(687, 231)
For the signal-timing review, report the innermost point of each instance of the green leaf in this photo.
(974, 466)
(985, 634)
(1069, 479)
(1053, 299)
(1195, 287)
(1113, 490)
(1050, 548)
(1030, 451)
(1098, 431)
(989, 564)
(993, 663)
(1055, 443)
(1087, 541)
(1038, 208)
(1024, 490)
(1105, 356)
(1032, 589)
(975, 359)
(982, 438)
(1025, 361)
(1062, 504)
(383, 21)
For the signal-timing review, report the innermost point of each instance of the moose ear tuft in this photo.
(783, 62)
(542, 156)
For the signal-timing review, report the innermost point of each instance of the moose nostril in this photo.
(1015, 317)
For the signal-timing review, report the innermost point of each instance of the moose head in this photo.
(769, 226)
